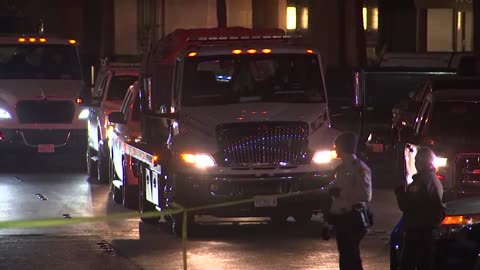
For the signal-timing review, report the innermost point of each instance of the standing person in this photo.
(423, 211)
(350, 193)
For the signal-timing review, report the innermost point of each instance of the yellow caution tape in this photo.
(52, 222)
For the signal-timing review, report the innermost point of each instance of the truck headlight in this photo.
(84, 114)
(201, 161)
(4, 114)
(439, 162)
(324, 156)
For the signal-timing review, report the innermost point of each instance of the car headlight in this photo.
(84, 114)
(324, 156)
(201, 161)
(4, 114)
(439, 162)
(452, 224)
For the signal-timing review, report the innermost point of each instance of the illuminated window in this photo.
(459, 21)
(291, 18)
(304, 18)
(374, 19)
(364, 13)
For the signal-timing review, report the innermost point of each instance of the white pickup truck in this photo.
(40, 85)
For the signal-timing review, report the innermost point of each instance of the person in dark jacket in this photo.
(423, 210)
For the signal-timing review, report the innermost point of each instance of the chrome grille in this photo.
(255, 143)
(50, 112)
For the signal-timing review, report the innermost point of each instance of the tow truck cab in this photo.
(238, 115)
(40, 85)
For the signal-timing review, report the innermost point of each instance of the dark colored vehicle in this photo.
(377, 89)
(404, 113)
(457, 242)
(446, 122)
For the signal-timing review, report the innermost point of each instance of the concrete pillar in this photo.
(325, 31)
(125, 16)
(190, 14)
(264, 14)
(355, 43)
(239, 13)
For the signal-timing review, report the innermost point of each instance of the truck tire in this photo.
(177, 223)
(129, 192)
(279, 219)
(303, 218)
(103, 163)
(91, 164)
(145, 206)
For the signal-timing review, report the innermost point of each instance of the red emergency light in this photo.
(79, 100)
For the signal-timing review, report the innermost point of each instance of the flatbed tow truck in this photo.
(231, 114)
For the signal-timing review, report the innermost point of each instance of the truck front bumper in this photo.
(43, 140)
(287, 194)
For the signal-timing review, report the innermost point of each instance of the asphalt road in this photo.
(50, 188)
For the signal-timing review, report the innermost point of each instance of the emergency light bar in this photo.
(41, 40)
(236, 38)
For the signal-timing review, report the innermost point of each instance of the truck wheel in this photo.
(279, 219)
(129, 192)
(177, 223)
(117, 195)
(91, 164)
(103, 163)
(303, 218)
(145, 206)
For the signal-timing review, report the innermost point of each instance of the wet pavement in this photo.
(54, 189)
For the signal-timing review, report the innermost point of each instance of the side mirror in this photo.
(116, 117)
(408, 135)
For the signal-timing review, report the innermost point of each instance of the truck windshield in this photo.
(455, 118)
(33, 61)
(292, 78)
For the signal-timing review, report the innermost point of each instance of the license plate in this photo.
(46, 148)
(265, 201)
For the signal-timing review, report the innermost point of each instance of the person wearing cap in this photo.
(351, 192)
(423, 211)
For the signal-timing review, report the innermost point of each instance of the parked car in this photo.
(446, 122)
(456, 243)
(108, 94)
(403, 113)
(125, 128)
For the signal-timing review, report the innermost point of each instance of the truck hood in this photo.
(207, 118)
(198, 124)
(12, 91)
